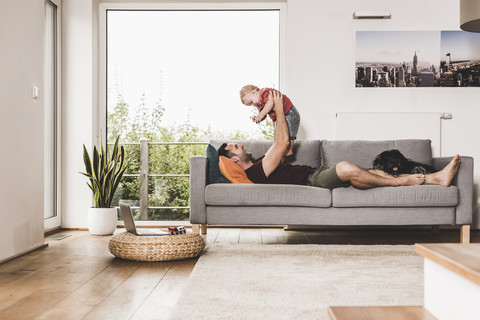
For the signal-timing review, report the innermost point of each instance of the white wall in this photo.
(21, 126)
(80, 105)
(320, 71)
(321, 61)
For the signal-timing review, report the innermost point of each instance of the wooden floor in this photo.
(78, 278)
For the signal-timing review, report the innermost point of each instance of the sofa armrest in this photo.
(464, 182)
(198, 182)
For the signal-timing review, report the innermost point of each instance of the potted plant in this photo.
(104, 174)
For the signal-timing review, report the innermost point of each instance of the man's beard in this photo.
(247, 157)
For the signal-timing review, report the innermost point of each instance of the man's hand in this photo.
(277, 101)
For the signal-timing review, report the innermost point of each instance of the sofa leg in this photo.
(196, 228)
(465, 234)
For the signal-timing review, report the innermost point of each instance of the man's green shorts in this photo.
(325, 177)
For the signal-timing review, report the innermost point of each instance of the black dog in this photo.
(394, 162)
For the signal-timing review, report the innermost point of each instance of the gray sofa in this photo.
(264, 204)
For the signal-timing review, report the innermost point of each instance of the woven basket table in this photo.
(156, 248)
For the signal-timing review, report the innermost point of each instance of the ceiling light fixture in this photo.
(470, 15)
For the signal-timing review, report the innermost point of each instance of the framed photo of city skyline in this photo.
(417, 59)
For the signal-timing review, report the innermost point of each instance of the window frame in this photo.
(102, 21)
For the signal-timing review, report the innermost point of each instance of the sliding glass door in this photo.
(51, 115)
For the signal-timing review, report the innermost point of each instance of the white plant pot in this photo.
(102, 221)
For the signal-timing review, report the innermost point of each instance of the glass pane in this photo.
(128, 192)
(168, 214)
(132, 153)
(172, 158)
(175, 76)
(168, 191)
(50, 110)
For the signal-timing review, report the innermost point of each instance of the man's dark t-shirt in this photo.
(284, 174)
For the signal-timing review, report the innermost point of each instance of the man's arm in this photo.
(274, 155)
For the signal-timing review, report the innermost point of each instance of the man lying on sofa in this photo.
(270, 169)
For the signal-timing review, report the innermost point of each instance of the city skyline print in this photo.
(417, 59)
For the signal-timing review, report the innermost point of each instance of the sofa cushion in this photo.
(410, 196)
(304, 152)
(232, 171)
(214, 174)
(267, 195)
(362, 152)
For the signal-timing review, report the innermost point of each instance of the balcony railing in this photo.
(144, 174)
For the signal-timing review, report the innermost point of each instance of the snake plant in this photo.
(104, 173)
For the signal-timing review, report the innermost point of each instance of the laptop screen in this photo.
(127, 216)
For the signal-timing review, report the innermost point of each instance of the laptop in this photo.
(127, 216)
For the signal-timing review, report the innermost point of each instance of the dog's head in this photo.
(390, 161)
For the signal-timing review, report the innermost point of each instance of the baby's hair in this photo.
(247, 89)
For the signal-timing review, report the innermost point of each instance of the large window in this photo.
(172, 83)
(51, 114)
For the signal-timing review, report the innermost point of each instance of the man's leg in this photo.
(359, 178)
(443, 177)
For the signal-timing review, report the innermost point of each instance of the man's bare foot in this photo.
(411, 180)
(289, 151)
(445, 176)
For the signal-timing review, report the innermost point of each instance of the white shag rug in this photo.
(298, 281)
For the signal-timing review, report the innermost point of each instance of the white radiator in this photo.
(390, 126)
